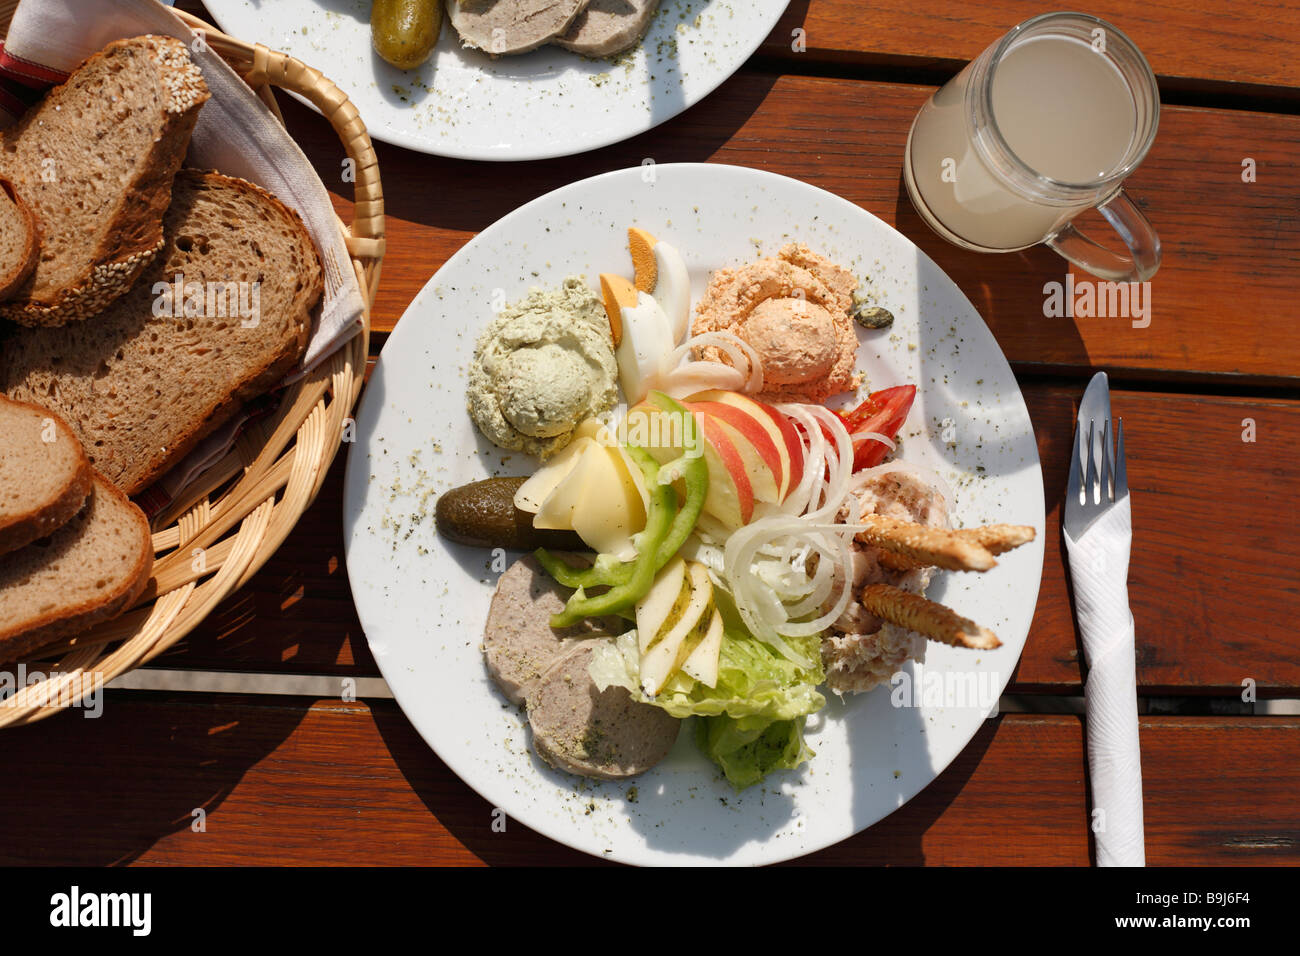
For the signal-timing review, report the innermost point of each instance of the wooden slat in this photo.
(1222, 302)
(348, 784)
(1215, 44)
(1216, 540)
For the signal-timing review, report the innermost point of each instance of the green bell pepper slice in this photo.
(655, 549)
(659, 522)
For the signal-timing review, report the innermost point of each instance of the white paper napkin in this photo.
(236, 134)
(1099, 570)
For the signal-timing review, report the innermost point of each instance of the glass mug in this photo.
(1043, 125)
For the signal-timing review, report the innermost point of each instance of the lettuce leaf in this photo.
(752, 721)
(753, 679)
(748, 748)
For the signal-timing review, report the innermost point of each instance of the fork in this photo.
(1098, 536)
(1087, 499)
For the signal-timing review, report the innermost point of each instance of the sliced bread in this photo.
(44, 474)
(157, 371)
(94, 161)
(19, 240)
(88, 571)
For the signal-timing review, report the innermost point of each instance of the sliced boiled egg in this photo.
(645, 346)
(673, 289)
(661, 270)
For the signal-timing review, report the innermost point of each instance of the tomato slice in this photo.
(883, 412)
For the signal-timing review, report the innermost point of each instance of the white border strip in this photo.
(244, 682)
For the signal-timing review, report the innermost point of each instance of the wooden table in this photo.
(307, 777)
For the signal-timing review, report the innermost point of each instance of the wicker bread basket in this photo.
(221, 529)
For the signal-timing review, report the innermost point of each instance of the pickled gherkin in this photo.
(405, 32)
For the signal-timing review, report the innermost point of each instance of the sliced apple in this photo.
(641, 244)
(730, 497)
(778, 427)
(702, 663)
(616, 292)
(668, 653)
(763, 461)
(665, 432)
(652, 611)
(791, 442)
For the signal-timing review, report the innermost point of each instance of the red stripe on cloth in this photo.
(152, 500)
(28, 72)
(11, 104)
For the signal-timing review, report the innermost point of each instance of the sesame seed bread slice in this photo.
(157, 371)
(94, 161)
(44, 474)
(19, 240)
(90, 570)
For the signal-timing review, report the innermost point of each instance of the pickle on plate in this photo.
(404, 32)
(483, 514)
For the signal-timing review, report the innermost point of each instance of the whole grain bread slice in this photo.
(19, 240)
(44, 474)
(94, 161)
(90, 570)
(171, 360)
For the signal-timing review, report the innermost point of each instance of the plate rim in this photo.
(781, 854)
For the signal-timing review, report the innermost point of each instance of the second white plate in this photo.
(549, 102)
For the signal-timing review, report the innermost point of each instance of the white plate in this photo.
(423, 601)
(549, 102)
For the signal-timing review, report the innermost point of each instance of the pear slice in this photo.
(666, 655)
(652, 610)
(702, 664)
(616, 292)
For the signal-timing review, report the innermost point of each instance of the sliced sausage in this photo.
(502, 27)
(518, 640)
(595, 733)
(607, 27)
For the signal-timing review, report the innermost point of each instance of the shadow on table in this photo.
(296, 614)
(898, 840)
(469, 196)
(458, 808)
(102, 792)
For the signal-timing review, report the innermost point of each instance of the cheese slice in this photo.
(612, 510)
(569, 495)
(533, 492)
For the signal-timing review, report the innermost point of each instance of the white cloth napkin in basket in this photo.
(236, 134)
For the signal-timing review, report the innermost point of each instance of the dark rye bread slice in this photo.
(44, 474)
(140, 385)
(89, 570)
(94, 161)
(19, 240)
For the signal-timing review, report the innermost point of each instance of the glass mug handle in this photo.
(1134, 229)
